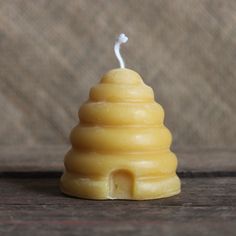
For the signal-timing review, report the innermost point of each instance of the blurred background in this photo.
(53, 51)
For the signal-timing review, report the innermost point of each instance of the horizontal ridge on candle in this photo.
(110, 138)
(106, 113)
(143, 164)
(121, 93)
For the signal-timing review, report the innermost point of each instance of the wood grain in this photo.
(53, 51)
(37, 207)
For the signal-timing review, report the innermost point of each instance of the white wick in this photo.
(121, 39)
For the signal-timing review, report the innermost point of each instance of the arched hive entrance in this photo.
(121, 183)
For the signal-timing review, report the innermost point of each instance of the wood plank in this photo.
(50, 158)
(36, 206)
(70, 223)
(45, 191)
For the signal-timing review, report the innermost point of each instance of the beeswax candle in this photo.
(120, 148)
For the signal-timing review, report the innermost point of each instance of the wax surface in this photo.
(120, 148)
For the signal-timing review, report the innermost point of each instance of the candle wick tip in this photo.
(121, 39)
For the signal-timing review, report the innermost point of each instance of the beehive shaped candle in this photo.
(120, 148)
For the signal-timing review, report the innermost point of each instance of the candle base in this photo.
(119, 187)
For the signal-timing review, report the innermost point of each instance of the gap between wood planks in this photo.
(57, 174)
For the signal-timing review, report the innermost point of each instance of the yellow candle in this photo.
(120, 148)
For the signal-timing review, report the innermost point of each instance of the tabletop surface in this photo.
(31, 202)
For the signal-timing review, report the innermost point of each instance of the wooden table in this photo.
(31, 203)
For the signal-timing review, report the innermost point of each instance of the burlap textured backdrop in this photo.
(53, 51)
